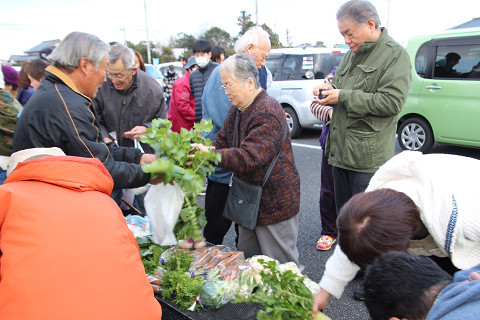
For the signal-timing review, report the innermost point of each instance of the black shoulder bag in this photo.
(243, 198)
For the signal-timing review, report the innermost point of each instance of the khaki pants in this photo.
(278, 241)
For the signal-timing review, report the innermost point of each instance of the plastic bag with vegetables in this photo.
(214, 294)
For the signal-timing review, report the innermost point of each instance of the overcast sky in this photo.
(26, 23)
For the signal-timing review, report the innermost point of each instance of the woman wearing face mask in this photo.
(203, 52)
(259, 124)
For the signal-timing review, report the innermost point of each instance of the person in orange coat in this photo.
(66, 250)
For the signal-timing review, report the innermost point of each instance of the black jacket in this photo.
(198, 79)
(119, 111)
(58, 115)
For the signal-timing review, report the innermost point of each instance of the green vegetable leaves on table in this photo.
(283, 294)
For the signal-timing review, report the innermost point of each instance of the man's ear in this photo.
(210, 55)
(371, 24)
(134, 70)
(249, 47)
(82, 66)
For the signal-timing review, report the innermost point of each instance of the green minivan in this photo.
(443, 104)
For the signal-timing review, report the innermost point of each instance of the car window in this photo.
(457, 61)
(421, 61)
(291, 68)
(273, 64)
(325, 62)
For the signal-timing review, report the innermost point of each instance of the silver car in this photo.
(295, 71)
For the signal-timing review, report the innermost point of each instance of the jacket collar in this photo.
(368, 46)
(206, 67)
(65, 79)
(130, 89)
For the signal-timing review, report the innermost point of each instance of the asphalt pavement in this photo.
(307, 158)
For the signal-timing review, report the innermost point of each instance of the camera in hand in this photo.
(321, 95)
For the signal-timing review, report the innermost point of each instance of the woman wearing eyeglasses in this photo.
(260, 123)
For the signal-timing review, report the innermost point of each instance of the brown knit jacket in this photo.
(259, 137)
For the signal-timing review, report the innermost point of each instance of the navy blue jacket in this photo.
(198, 80)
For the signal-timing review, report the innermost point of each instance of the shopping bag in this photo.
(162, 205)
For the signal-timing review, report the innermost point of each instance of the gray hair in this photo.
(241, 67)
(119, 51)
(359, 11)
(251, 37)
(74, 47)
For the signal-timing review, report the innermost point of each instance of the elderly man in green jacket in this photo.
(368, 91)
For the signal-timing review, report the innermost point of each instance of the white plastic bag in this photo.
(163, 204)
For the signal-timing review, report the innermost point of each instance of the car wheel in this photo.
(293, 124)
(415, 134)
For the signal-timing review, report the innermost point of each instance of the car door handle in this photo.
(433, 87)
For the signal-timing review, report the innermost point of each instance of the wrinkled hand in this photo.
(135, 133)
(317, 89)
(148, 158)
(199, 147)
(320, 301)
(331, 99)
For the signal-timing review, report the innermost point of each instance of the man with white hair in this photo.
(61, 114)
(128, 101)
(215, 102)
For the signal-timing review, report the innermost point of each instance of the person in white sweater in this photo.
(424, 204)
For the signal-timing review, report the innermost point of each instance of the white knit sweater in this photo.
(434, 182)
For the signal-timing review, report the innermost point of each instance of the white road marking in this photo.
(306, 146)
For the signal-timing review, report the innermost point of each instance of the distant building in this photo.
(474, 23)
(35, 52)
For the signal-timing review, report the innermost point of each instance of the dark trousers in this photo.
(348, 183)
(328, 210)
(217, 225)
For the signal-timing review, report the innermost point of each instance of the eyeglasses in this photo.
(228, 88)
(117, 76)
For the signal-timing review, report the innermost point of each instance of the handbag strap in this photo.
(274, 160)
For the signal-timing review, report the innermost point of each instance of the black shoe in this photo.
(359, 293)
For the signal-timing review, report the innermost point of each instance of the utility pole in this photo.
(388, 15)
(256, 12)
(149, 57)
(124, 36)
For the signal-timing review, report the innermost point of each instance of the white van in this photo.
(295, 71)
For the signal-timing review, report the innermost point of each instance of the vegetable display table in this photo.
(240, 311)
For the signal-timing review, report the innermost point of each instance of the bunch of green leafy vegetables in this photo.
(186, 166)
(179, 283)
(282, 293)
(150, 253)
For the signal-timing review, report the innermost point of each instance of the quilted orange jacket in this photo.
(66, 251)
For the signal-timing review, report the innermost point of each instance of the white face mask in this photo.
(201, 61)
